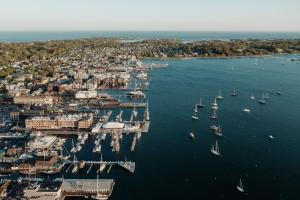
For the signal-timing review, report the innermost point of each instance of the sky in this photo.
(150, 15)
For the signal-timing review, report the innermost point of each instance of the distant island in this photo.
(48, 54)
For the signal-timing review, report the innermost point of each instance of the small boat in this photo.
(271, 137)
(278, 93)
(220, 97)
(252, 97)
(234, 93)
(200, 104)
(247, 110)
(214, 116)
(215, 149)
(240, 187)
(192, 136)
(218, 131)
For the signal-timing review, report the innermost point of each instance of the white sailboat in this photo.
(195, 116)
(215, 104)
(215, 149)
(102, 165)
(262, 100)
(234, 93)
(220, 97)
(200, 104)
(73, 150)
(240, 187)
(196, 109)
(218, 131)
(214, 116)
(192, 136)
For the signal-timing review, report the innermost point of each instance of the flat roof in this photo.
(113, 125)
(87, 184)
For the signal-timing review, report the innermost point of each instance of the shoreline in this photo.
(218, 57)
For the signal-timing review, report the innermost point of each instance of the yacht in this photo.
(220, 97)
(271, 137)
(234, 93)
(200, 104)
(215, 149)
(240, 187)
(192, 136)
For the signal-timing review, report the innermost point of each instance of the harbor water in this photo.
(169, 165)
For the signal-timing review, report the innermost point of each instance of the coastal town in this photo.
(60, 98)
(53, 107)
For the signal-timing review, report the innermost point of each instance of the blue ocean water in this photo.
(29, 36)
(171, 166)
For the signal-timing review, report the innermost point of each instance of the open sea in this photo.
(169, 165)
(29, 36)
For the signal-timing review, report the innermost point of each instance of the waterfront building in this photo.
(86, 94)
(43, 191)
(31, 100)
(41, 142)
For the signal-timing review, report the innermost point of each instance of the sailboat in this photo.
(102, 165)
(234, 93)
(200, 104)
(192, 136)
(266, 97)
(220, 97)
(73, 150)
(262, 100)
(75, 168)
(134, 112)
(218, 131)
(214, 116)
(215, 149)
(214, 104)
(196, 109)
(195, 116)
(240, 187)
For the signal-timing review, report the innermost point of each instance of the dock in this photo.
(133, 143)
